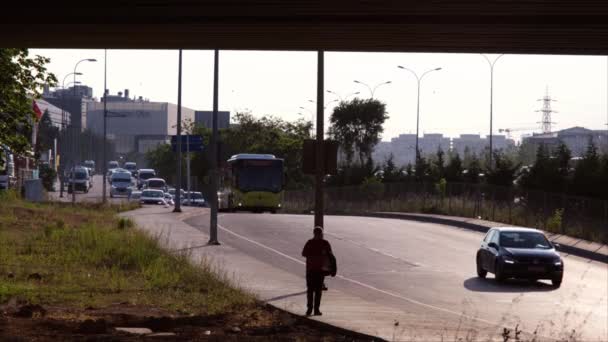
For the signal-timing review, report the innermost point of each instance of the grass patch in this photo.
(84, 255)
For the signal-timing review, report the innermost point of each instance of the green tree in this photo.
(563, 156)
(453, 170)
(587, 174)
(543, 174)
(47, 132)
(357, 125)
(390, 172)
(504, 171)
(471, 174)
(164, 161)
(21, 79)
(438, 165)
(422, 171)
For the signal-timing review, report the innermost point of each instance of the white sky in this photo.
(454, 100)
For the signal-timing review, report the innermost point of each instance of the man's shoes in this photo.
(324, 287)
(308, 312)
(318, 313)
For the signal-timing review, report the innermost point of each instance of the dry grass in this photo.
(84, 255)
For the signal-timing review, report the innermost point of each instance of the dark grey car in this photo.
(512, 252)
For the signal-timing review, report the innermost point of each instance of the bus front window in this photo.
(260, 178)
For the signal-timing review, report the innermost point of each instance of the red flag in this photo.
(37, 110)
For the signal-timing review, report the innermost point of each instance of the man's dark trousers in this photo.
(314, 289)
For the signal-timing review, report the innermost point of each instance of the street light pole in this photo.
(491, 63)
(105, 115)
(64, 138)
(418, 80)
(213, 239)
(372, 90)
(74, 132)
(345, 97)
(319, 158)
(178, 188)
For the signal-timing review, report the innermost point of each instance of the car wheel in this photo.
(498, 272)
(557, 282)
(481, 273)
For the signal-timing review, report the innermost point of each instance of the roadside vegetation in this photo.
(68, 272)
(86, 256)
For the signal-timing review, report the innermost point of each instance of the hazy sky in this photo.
(454, 100)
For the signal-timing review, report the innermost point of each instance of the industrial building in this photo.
(135, 125)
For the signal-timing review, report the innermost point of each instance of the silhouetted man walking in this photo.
(319, 263)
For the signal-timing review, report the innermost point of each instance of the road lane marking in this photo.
(370, 287)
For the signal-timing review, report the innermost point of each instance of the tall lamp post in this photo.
(105, 116)
(418, 79)
(63, 129)
(491, 64)
(326, 103)
(312, 119)
(75, 137)
(372, 90)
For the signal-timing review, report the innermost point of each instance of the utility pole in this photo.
(491, 100)
(213, 240)
(105, 115)
(178, 188)
(188, 165)
(320, 165)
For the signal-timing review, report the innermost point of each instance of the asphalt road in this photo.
(413, 266)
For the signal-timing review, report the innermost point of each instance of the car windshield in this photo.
(196, 195)
(89, 164)
(155, 194)
(156, 183)
(130, 166)
(80, 175)
(121, 177)
(146, 175)
(113, 165)
(524, 240)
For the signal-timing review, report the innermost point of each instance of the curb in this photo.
(482, 228)
(355, 335)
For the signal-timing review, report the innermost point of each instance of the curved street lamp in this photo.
(345, 97)
(418, 79)
(491, 64)
(75, 135)
(372, 90)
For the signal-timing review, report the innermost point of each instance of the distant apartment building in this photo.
(74, 100)
(205, 118)
(135, 125)
(575, 138)
(403, 148)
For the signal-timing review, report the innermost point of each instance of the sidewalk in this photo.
(567, 244)
(287, 291)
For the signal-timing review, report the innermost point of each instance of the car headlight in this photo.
(557, 262)
(509, 260)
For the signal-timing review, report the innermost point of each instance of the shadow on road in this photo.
(512, 285)
(285, 296)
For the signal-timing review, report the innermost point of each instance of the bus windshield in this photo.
(259, 176)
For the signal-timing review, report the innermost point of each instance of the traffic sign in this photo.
(190, 143)
(192, 139)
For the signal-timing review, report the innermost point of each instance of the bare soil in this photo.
(27, 322)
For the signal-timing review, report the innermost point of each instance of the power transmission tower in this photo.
(546, 111)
